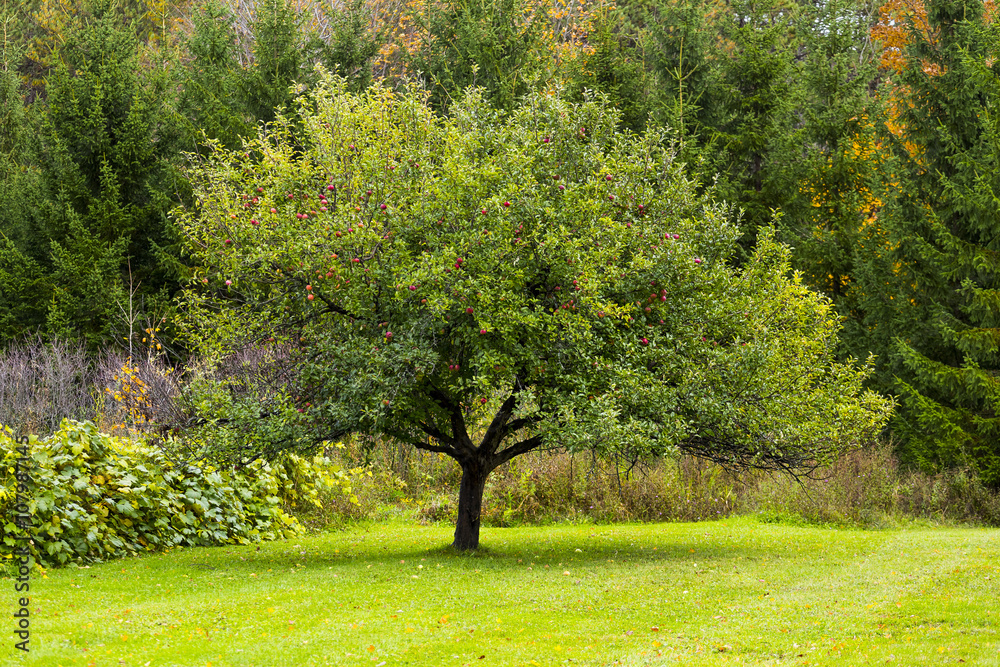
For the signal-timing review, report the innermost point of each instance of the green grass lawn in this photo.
(730, 592)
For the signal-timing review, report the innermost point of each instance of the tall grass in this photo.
(865, 488)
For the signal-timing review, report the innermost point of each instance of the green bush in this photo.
(95, 497)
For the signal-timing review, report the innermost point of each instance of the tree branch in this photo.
(460, 436)
(436, 434)
(496, 431)
(518, 424)
(517, 449)
(426, 446)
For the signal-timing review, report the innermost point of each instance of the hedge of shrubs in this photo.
(95, 497)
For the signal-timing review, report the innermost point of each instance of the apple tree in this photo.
(483, 285)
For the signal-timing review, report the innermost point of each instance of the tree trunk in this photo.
(470, 505)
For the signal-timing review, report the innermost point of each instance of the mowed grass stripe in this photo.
(728, 592)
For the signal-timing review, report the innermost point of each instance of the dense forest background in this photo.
(867, 133)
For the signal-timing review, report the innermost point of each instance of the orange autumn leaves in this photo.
(892, 32)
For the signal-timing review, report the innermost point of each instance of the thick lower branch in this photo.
(440, 449)
(516, 449)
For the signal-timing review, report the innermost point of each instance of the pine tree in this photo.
(351, 45)
(281, 60)
(210, 106)
(106, 182)
(931, 286)
(685, 57)
(490, 44)
(614, 66)
(758, 136)
(21, 279)
(840, 169)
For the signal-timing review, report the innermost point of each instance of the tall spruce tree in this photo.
(931, 285)
(490, 44)
(21, 278)
(105, 183)
(839, 170)
(209, 105)
(758, 137)
(282, 59)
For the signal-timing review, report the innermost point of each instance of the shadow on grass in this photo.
(502, 548)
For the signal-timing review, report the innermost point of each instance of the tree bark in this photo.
(470, 505)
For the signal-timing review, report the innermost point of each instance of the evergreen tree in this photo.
(22, 280)
(684, 55)
(614, 66)
(840, 170)
(351, 46)
(757, 140)
(931, 287)
(105, 184)
(281, 60)
(210, 105)
(482, 43)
